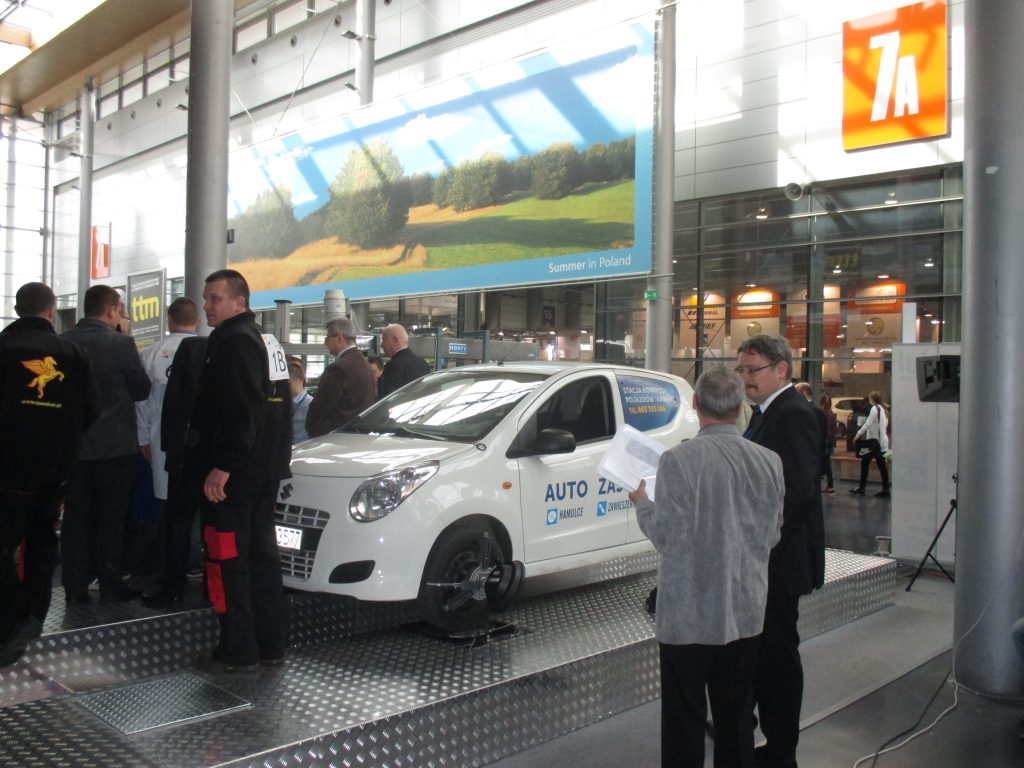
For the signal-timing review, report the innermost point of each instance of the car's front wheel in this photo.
(452, 593)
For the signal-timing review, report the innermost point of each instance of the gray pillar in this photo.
(990, 513)
(8, 130)
(659, 310)
(86, 123)
(282, 320)
(816, 320)
(470, 316)
(206, 197)
(366, 29)
(360, 315)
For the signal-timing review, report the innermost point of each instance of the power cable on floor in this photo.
(884, 748)
(956, 699)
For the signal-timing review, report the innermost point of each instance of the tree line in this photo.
(370, 196)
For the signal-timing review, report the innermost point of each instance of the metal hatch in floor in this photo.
(161, 702)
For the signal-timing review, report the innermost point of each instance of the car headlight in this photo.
(380, 495)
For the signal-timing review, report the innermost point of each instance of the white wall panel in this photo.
(726, 181)
(775, 67)
(732, 154)
(740, 124)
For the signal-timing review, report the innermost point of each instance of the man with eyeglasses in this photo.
(347, 386)
(785, 422)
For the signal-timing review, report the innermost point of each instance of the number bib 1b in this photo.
(276, 359)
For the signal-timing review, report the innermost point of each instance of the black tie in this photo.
(754, 423)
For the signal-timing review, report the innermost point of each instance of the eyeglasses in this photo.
(748, 371)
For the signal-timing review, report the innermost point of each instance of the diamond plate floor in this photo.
(360, 690)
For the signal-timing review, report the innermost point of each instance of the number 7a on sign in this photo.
(895, 76)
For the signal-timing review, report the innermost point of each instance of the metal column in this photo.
(86, 123)
(367, 35)
(206, 198)
(659, 310)
(990, 512)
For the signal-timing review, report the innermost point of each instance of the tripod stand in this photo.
(920, 567)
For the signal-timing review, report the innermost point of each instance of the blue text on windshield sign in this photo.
(647, 403)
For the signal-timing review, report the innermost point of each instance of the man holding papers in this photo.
(717, 516)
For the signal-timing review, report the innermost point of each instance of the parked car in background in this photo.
(450, 490)
(843, 406)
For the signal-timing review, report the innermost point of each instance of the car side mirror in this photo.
(548, 442)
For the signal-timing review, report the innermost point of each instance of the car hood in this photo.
(341, 454)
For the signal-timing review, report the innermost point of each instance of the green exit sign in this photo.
(651, 295)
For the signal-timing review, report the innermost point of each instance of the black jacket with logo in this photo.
(241, 422)
(47, 401)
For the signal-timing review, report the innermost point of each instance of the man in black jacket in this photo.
(404, 365)
(346, 387)
(784, 422)
(47, 399)
(99, 495)
(238, 448)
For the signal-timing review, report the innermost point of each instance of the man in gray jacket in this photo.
(99, 494)
(717, 515)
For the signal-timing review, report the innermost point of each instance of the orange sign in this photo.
(880, 299)
(100, 252)
(755, 304)
(895, 76)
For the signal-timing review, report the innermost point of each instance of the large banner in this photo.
(534, 171)
(146, 292)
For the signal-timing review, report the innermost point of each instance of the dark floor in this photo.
(839, 729)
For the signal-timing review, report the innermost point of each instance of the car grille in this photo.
(307, 517)
(299, 565)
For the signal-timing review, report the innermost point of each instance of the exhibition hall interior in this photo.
(573, 209)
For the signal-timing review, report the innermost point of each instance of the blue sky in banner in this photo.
(586, 92)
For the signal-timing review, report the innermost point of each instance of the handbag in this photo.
(867, 447)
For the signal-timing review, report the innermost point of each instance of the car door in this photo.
(563, 511)
(654, 406)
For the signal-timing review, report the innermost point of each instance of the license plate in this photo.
(289, 538)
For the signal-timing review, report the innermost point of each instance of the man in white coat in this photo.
(182, 320)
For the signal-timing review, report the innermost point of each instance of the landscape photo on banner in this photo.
(533, 171)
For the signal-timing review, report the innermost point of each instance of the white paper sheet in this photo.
(632, 457)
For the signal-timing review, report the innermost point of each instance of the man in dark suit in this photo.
(182, 496)
(347, 386)
(99, 495)
(404, 365)
(784, 422)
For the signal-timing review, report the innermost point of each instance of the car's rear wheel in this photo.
(452, 593)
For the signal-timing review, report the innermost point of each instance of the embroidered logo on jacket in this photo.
(45, 371)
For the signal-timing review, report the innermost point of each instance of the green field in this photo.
(595, 219)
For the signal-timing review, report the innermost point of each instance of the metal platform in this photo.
(359, 687)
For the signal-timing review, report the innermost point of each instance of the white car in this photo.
(453, 488)
(842, 407)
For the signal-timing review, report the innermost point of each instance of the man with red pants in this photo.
(238, 448)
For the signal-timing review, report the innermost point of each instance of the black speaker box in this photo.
(938, 379)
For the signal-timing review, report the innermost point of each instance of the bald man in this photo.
(404, 366)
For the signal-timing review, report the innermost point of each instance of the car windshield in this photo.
(459, 405)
